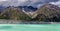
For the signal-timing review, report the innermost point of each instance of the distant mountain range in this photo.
(46, 13)
(14, 13)
(26, 8)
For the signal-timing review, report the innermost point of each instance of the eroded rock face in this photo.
(29, 10)
(14, 13)
(49, 12)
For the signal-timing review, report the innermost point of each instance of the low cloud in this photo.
(34, 3)
(56, 3)
(2, 0)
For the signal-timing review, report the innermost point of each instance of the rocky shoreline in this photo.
(24, 22)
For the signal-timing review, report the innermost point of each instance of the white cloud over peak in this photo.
(34, 3)
(56, 3)
(22, 0)
(3, 0)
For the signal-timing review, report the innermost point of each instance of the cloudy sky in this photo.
(34, 3)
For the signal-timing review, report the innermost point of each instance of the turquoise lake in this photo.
(29, 27)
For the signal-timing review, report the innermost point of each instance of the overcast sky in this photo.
(34, 3)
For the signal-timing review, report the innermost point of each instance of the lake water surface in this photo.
(29, 27)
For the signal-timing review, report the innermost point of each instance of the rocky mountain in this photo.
(48, 12)
(14, 13)
(29, 10)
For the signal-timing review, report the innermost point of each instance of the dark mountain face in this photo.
(47, 1)
(2, 8)
(49, 12)
(28, 8)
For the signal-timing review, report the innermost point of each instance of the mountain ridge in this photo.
(47, 13)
